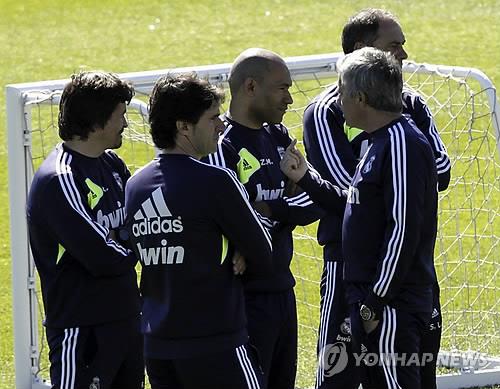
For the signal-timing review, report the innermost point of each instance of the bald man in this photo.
(252, 146)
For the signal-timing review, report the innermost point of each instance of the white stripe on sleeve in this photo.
(326, 143)
(72, 195)
(390, 261)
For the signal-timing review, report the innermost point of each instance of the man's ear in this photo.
(249, 86)
(182, 126)
(361, 98)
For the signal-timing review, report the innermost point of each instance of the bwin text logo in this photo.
(154, 217)
(269, 194)
(164, 255)
(113, 219)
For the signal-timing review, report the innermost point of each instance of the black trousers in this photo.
(390, 356)
(272, 327)
(104, 356)
(336, 363)
(431, 342)
(235, 368)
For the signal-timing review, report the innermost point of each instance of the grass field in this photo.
(49, 40)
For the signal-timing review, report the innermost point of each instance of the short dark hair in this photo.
(183, 97)
(363, 27)
(375, 74)
(88, 100)
(253, 67)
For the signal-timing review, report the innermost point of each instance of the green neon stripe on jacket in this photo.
(95, 193)
(60, 252)
(247, 165)
(225, 247)
(351, 132)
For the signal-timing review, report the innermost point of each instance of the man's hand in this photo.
(293, 164)
(370, 325)
(239, 264)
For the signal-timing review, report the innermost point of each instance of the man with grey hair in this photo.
(254, 141)
(334, 149)
(392, 206)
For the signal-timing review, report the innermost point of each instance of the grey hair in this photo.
(375, 74)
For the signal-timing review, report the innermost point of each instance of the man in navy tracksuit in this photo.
(392, 207)
(334, 149)
(186, 219)
(254, 141)
(75, 214)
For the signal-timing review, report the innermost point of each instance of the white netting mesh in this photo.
(467, 249)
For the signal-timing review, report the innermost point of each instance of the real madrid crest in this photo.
(118, 180)
(281, 151)
(368, 165)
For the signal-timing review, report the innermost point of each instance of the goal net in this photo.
(467, 255)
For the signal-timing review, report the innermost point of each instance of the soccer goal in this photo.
(464, 104)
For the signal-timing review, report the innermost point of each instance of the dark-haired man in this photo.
(334, 149)
(186, 220)
(75, 213)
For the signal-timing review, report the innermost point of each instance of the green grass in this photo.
(49, 40)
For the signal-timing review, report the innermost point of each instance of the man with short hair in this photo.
(75, 214)
(334, 149)
(392, 206)
(254, 141)
(186, 219)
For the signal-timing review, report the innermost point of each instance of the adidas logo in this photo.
(246, 165)
(149, 210)
(435, 313)
(154, 217)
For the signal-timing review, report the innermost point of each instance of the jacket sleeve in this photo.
(326, 144)
(423, 119)
(241, 225)
(405, 175)
(77, 231)
(296, 207)
(329, 196)
(295, 210)
(225, 156)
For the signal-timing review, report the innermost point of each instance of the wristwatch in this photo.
(366, 313)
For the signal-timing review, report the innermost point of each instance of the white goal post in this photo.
(465, 107)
